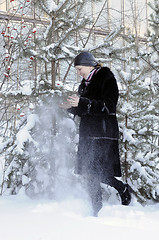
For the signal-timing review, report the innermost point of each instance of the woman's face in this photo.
(84, 71)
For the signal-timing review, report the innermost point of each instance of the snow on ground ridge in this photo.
(25, 219)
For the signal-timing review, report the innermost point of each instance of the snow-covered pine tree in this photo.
(69, 32)
(51, 162)
(16, 88)
(138, 114)
(15, 35)
(139, 137)
(65, 18)
(14, 162)
(153, 35)
(58, 45)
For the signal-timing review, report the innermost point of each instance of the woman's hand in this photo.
(65, 105)
(72, 101)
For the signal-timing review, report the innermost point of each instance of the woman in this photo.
(98, 152)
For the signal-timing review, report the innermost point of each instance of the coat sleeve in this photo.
(107, 102)
(82, 109)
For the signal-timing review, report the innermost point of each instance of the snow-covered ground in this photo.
(24, 219)
(69, 217)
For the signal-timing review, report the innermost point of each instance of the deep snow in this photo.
(69, 217)
(24, 219)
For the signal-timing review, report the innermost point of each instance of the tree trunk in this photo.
(53, 74)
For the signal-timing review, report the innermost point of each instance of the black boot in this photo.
(125, 195)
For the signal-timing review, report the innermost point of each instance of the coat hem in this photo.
(109, 138)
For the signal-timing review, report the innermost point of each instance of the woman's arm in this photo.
(106, 104)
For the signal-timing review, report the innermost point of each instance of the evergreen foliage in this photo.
(36, 135)
(139, 115)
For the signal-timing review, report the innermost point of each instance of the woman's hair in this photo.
(99, 65)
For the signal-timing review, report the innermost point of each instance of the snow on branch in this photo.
(52, 6)
(113, 34)
(108, 41)
(122, 49)
(127, 136)
(45, 34)
(70, 30)
(24, 134)
(44, 7)
(56, 7)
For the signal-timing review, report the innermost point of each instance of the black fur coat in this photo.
(98, 151)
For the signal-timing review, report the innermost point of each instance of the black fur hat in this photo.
(85, 59)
